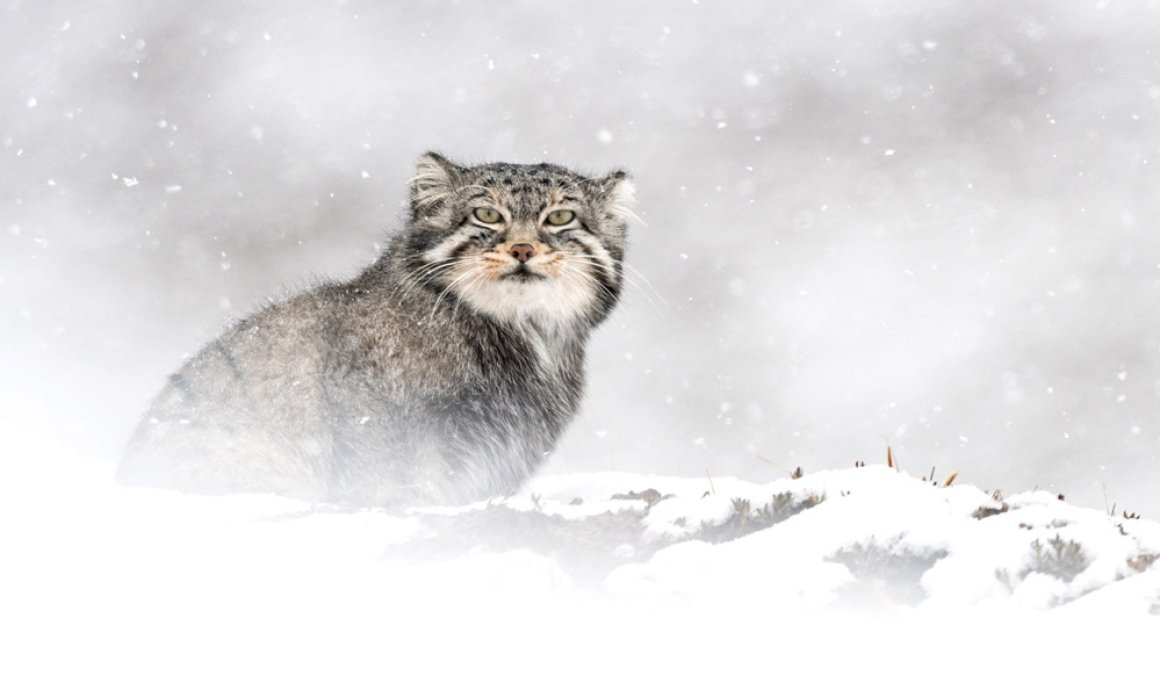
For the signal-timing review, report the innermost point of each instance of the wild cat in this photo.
(444, 373)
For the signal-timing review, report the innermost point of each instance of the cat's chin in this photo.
(531, 295)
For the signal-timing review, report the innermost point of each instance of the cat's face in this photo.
(519, 241)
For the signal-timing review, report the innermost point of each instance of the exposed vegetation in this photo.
(1064, 560)
(745, 519)
(1059, 558)
(889, 573)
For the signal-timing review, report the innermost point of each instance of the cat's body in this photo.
(445, 372)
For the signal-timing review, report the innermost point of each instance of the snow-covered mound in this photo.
(868, 536)
(613, 573)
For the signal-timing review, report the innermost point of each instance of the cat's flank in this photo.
(444, 373)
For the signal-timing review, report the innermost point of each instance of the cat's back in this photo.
(384, 339)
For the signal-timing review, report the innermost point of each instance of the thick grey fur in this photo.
(405, 385)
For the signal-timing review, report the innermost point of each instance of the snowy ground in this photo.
(855, 570)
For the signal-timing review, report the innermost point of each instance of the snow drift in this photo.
(611, 573)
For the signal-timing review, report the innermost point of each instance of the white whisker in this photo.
(431, 271)
(627, 275)
(446, 291)
(468, 289)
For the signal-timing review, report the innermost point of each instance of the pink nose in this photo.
(523, 251)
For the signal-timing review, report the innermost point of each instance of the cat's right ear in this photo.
(436, 178)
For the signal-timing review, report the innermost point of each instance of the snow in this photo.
(878, 569)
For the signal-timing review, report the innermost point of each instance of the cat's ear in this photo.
(436, 178)
(616, 194)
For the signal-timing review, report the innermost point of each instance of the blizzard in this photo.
(932, 224)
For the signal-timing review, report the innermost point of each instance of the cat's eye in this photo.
(487, 215)
(558, 218)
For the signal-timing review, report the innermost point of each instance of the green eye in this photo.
(487, 215)
(558, 218)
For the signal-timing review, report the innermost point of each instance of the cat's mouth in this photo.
(522, 272)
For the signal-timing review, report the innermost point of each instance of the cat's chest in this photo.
(540, 386)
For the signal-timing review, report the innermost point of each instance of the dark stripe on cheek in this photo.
(461, 249)
(610, 282)
(584, 247)
(556, 241)
(422, 240)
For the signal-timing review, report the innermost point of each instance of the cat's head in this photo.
(519, 241)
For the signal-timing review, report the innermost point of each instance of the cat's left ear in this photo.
(616, 194)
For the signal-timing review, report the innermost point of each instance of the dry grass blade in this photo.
(951, 479)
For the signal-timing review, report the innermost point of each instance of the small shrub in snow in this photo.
(650, 496)
(1057, 558)
(1143, 561)
(745, 519)
(986, 511)
(889, 573)
(1062, 559)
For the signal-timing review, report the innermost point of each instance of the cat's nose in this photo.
(523, 251)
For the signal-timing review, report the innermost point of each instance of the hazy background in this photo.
(937, 226)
